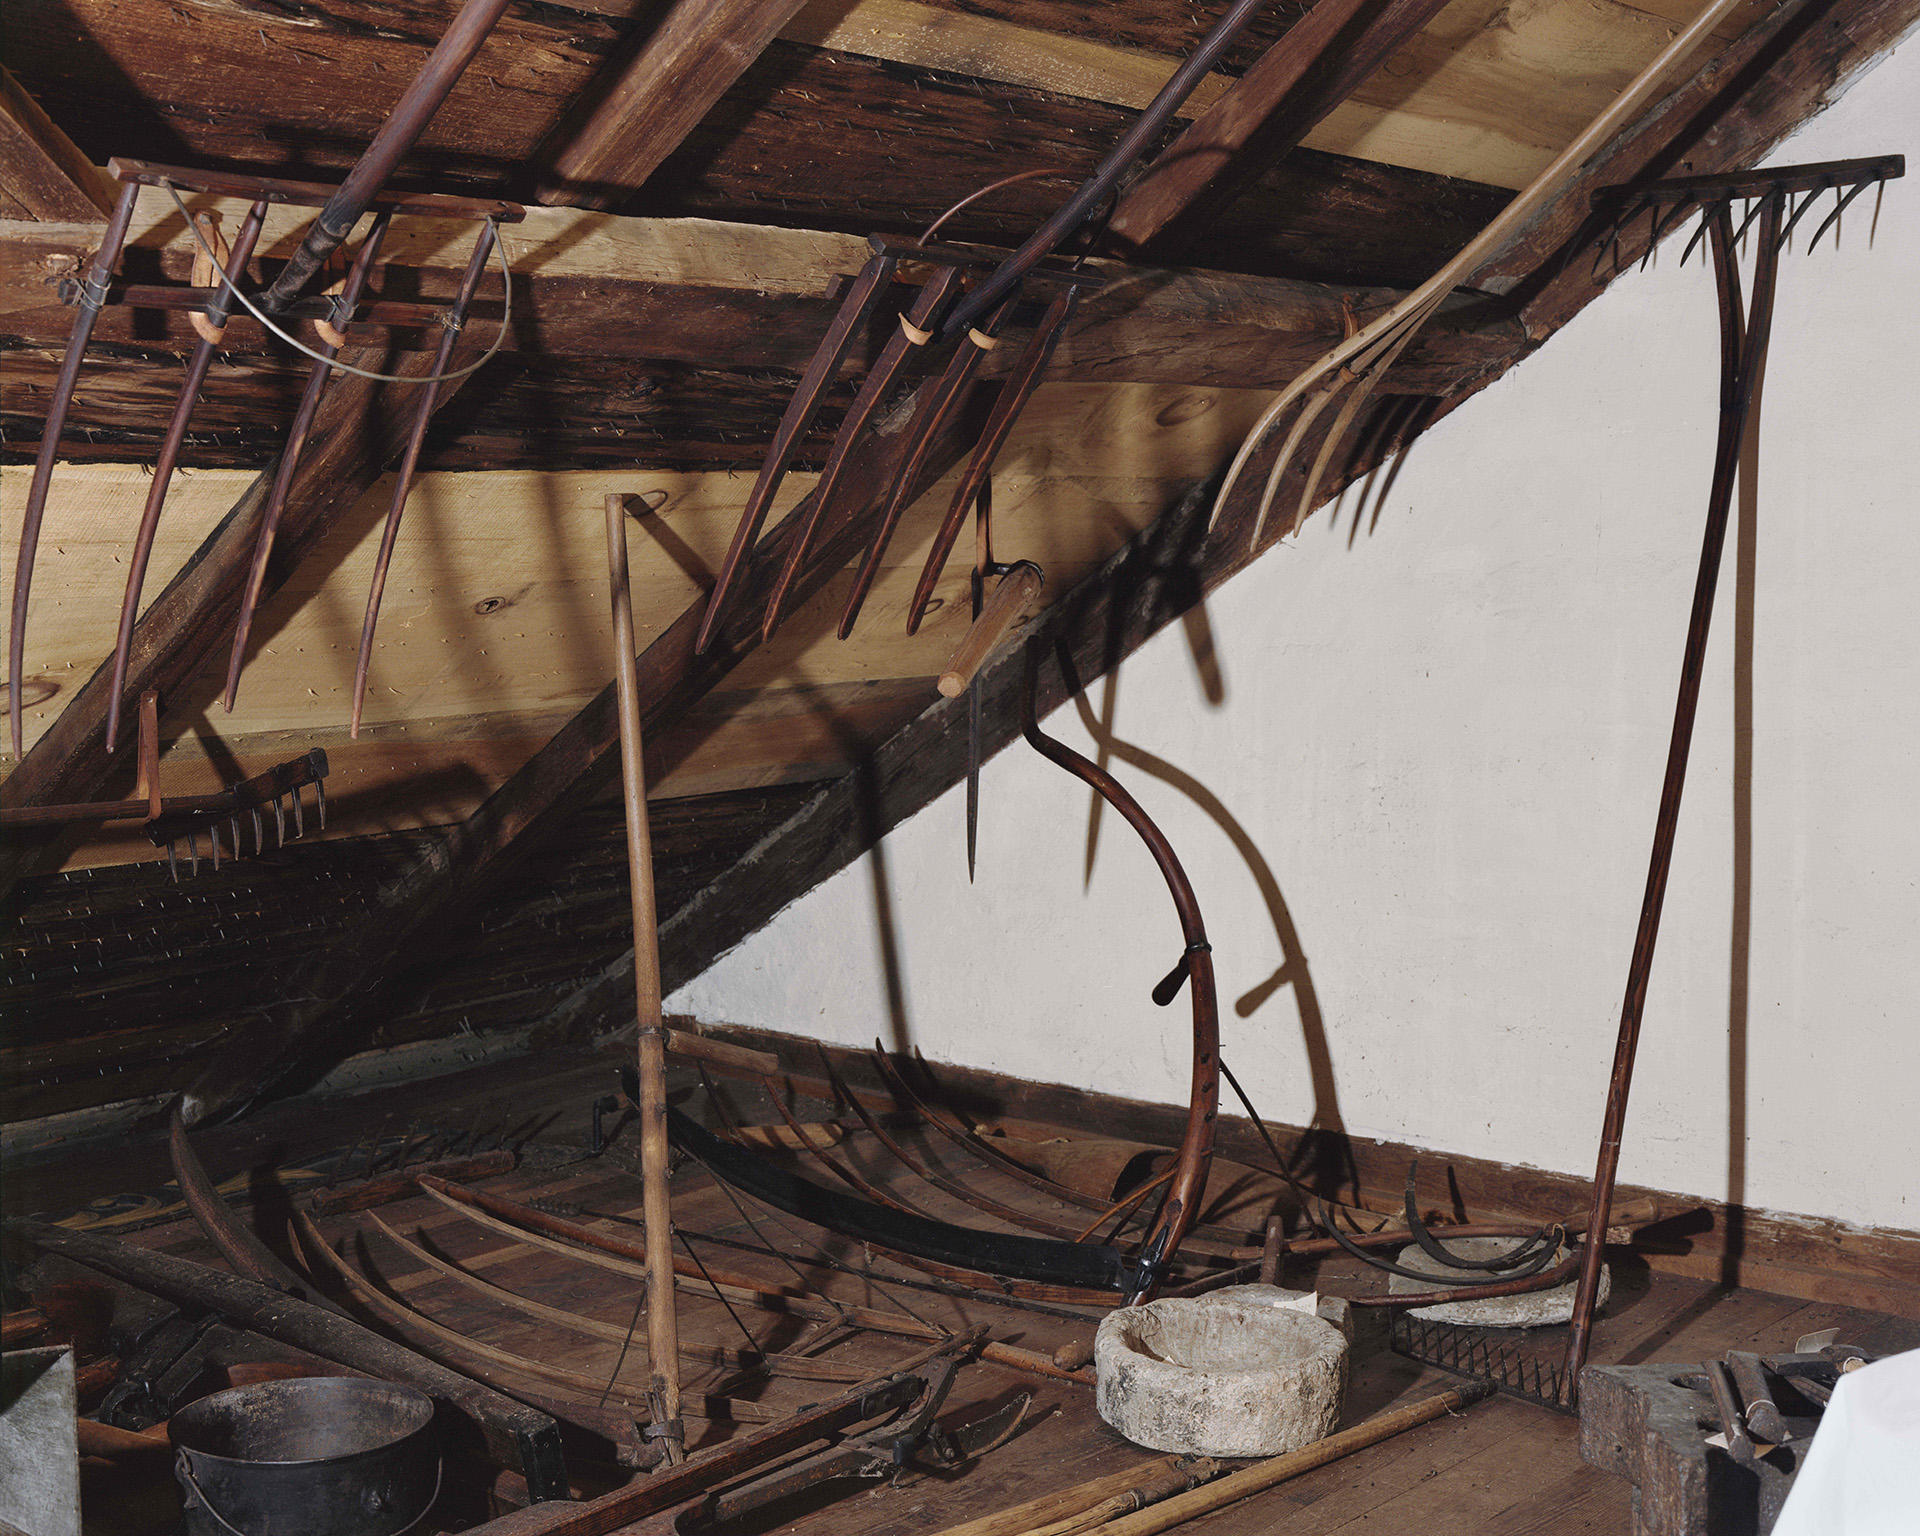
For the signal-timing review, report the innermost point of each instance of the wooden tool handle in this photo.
(1019, 587)
(720, 1054)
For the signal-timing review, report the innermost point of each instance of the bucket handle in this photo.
(183, 1468)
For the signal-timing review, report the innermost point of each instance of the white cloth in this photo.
(1861, 1476)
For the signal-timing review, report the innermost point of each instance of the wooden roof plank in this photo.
(688, 61)
(1269, 111)
(43, 175)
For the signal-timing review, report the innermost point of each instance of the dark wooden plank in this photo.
(1321, 60)
(638, 113)
(42, 174)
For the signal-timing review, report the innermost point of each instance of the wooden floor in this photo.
(1500, 1468)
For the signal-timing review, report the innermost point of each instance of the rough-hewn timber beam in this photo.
(1270, 110)
(360, 427)
(562, 775)
(42, 174)
(636, 119)
(741, 295)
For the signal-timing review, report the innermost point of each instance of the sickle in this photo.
(936, 406)
(913, 331)
(317, 377)
(801, 409)
(1433, 1248)
(217, 310)
(1012, 400)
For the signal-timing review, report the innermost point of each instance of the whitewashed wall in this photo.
(1440, 743)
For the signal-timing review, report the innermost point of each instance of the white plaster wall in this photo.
(1442, 737)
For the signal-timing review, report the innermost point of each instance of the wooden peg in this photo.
(1011, 598)
(147, 785)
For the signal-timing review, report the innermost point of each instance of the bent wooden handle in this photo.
(1017, 589)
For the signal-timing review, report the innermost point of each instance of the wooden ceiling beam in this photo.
(564, 774)
(634, 121)
(360, 427)
(722, 295)
(42, 174)
(1316, 66)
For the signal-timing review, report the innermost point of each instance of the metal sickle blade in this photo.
(1540, 1247)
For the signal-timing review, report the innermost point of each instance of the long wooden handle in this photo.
(721, 1054)
(1011, 598)
(1263, 1475)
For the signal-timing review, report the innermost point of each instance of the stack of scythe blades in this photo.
(241, 809)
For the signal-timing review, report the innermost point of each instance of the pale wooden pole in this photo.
(663, 1335)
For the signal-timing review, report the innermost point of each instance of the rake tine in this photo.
(1786, 235)
(914, 331)
(217, 310)
(1873, 228)
(1007, 406)
(1754, 206)
(821, 370)
(193, 850)
(279, 822)
(233, 831)
(320, 801)
(317, 378)
(451, 324)
(1698, 242)
(259, 833)
(1839, 207)
(93, 295)
(299, 816)
(173, 866)
(213, 836)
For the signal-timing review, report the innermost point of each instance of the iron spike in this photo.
(193, 849)
(299, 815)
(279, 822)
(233, 827)
(173, 865)
(1839, 207)
(1879, 197)
(259, 833)
(320, 799)
(1786, 235)
(213, 836)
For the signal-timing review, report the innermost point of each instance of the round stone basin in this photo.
(1530, 1309)
(1215, 1376)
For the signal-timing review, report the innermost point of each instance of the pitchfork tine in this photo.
(217, 310)
(409, 462)
(317, 377)
(808, 394)
(913, 332)
(93, 294)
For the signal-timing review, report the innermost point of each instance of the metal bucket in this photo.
(313, 1456)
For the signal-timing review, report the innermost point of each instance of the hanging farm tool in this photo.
(171, 820)
(1744, 332)
(967, 328)
(341, 208)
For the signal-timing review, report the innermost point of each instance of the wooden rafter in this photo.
(561, 776)
(42, 175)
(639, 117)
(1316, 66)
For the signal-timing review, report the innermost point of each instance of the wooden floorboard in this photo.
(1500, 1468)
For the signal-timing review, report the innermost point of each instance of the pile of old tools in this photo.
(170, 820)
(277, 305)
(1714, 1446)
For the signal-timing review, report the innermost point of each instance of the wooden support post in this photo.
(663, 1339)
